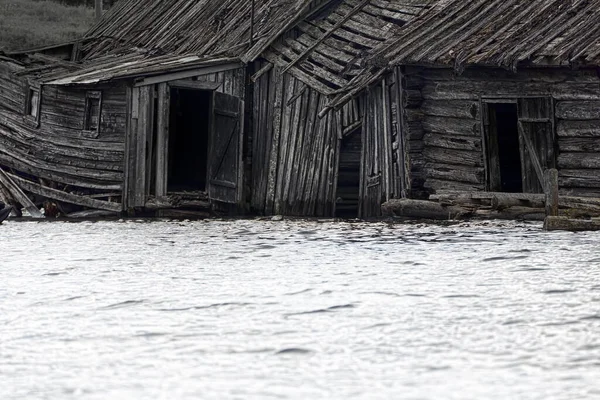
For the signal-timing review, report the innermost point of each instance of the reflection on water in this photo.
(299, 310)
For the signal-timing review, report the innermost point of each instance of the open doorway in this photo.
(504, 148)
(348, 185)
(189, 130)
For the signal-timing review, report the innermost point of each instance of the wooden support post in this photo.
(551, 190)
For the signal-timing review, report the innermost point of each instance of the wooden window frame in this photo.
(27, 111)
(89, 96)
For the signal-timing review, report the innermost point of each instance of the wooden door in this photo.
(537, 140)
(225, 150)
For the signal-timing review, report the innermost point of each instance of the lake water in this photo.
(297, 310)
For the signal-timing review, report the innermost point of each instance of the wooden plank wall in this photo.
(450, 118)
(386, 151)
(295, 153)
(58, 150)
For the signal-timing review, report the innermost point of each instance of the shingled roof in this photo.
(501, 33)
(199, 27)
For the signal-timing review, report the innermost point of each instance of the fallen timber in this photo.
(580, 213)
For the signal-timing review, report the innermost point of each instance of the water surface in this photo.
(297, 310)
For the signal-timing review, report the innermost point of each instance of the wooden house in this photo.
(178, 105)
(496, 92)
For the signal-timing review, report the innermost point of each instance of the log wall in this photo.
(57, 149)
(449, 114)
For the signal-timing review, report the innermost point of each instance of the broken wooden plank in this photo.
(64, 196)
(18, 195)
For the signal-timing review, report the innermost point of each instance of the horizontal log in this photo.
(579, 160)
(579, 144)
(579, 178)
(455, 109)
(513, 213)
(525, 75)
(91, 214)
(472, 90)
(454, 173)
(570, 224)
(422, 209)
(578, 110)
(454, 142)
(578, 128)
(454, 157)
(500, 200)
(436, 185)
(579, 192)
(452, 126)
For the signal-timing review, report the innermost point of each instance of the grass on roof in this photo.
(28, 24)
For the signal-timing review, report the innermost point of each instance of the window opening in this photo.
(33, 105)
(93, 109)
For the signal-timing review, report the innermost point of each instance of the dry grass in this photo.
(27, 24)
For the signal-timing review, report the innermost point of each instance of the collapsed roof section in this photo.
(327, 49)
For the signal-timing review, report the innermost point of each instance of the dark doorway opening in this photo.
(348, 186)
(504, 121)
(189, 129)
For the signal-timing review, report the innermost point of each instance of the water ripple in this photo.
(297, 309)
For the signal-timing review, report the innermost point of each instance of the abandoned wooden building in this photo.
(307, 108)
(497, 92)
(176, 105)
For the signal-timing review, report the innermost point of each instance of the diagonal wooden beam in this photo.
(327, 34)
(539, 171)
(19, 195)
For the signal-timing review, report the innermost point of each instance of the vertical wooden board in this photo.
(387, 140)
(311, 178)
(275, 142)
(536, 128)
(286, 119)
(144, 126)
(402, 156)
(224, 168)
(162, 139)
(269, 88)
(324, 166)
(307, 142)
(258, 145)
(150, 147)
(363, 157)
(335, 165)
(127, 170)
(299, 114)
